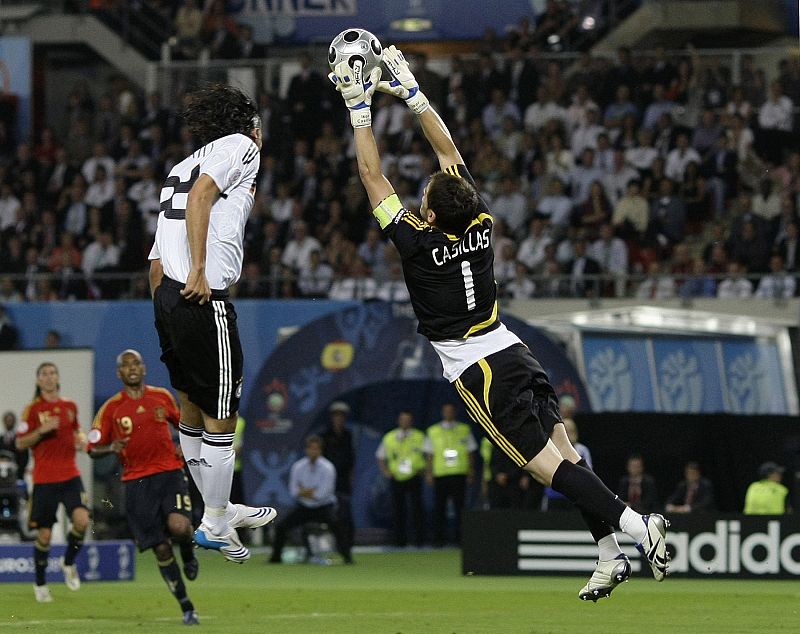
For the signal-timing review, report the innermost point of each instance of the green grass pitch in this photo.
(400, 592)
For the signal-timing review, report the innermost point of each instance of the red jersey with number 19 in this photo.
(54, 454)
(145, 423)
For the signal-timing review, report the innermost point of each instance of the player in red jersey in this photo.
(137, 424)
(49, 427)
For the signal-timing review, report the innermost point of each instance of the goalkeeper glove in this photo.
(403, 84)
(356, 92)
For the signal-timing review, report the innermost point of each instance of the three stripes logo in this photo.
(250, 155)
(565, 551)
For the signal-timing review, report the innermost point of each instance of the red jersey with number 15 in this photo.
(54, 454)
(145, 422)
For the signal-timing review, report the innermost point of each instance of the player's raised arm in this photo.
(405, 86)
(357, 94)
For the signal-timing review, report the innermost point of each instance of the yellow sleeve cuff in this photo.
(387, 210)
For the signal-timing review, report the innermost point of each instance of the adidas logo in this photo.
(198, 462)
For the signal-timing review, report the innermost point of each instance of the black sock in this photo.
(40, 555)
(598, 527)
(586, 490)
(74, 543)
(187, 551)
(172, 575)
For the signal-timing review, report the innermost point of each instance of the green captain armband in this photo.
(387, 210)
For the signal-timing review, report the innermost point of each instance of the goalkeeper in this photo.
(447, 261)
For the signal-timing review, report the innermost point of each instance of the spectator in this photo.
(188, 28)
(706, 134)
(680, 157)
(658, 284)
(585, 134)
(694, 493)
(101, 190)
(356, 285)
(246, 47)
(520, 286)
(394, 288)
(642, 156)
(616, 181)
(496, 110)
(719, 168)
(559, 160)
(8, 292)
(659, 106)
(735, 286)
(251, 283)
(69, 281)
(778, 284)
(510, 206)
(583, 271)
(777, 113)
(621, 107)
(767, 496)
(668, 215)
(582, 177)
(314, 280)
(9, 207)
(594, 212)
(788, 248)
(100, 157)
(637, 488)
(297, 254)
(699, 283)
(531, 251)
(543, 110)
(555, 207)
(631, 216)
(371, 251)
(612, 255)
(582, 103)
(767, 202)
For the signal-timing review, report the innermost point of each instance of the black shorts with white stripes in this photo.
(509, 395)
(200, 347)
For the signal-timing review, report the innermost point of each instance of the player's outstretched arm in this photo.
(404, 85)
(357, 94)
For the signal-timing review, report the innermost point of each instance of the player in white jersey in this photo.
(197, 255)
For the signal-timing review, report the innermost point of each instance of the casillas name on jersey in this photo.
(232, 162)
(450, 279)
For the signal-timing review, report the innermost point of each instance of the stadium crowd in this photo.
(646, 175)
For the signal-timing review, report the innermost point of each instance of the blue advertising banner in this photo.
(618, 373)
(97, 561)
(688, 375)
(16, 81)
(371, 356)
(753, 377)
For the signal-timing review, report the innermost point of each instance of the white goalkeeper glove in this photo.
(356, 92)
(403, 84)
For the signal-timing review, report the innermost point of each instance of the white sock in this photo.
(191, 439)
(217, 452)
(609, 547)
(633, 524)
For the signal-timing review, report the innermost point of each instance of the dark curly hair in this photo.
(217, 110)
(454, 201)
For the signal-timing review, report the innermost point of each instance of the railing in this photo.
(119, 285)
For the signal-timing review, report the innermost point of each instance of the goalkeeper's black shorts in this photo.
(509, 395)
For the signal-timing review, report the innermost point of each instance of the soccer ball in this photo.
(356, 44)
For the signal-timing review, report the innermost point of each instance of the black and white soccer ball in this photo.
(356, 44)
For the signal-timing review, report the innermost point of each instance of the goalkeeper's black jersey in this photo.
(450, 279)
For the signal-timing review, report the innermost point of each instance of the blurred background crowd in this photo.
(651, 175)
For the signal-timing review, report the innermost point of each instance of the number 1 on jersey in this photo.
(469, 284)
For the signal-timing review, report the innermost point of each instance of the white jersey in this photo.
(233, 162)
